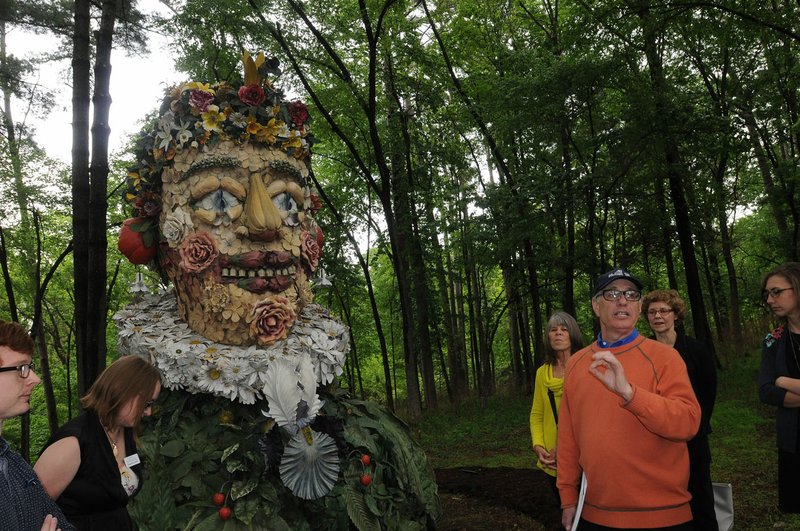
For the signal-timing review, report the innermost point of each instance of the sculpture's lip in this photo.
(257, 260)
(262, 284)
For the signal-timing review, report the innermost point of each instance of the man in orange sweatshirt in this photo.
(627, 411)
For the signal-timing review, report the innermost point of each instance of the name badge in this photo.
(132, 460)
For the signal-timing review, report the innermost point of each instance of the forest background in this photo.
(480, 163)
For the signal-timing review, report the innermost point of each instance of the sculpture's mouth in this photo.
(259, 272)
(235, 273)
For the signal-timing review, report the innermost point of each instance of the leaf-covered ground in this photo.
(488, 499)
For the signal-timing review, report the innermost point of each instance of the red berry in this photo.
(218, 498)
(365, 459)
(366, 479)
(225, 513)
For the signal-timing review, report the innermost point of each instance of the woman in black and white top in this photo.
(90, 465)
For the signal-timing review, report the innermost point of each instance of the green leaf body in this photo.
(196, 445)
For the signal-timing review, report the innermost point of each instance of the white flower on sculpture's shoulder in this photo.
(316, 344)
(176, 226)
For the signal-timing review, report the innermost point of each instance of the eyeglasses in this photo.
(615, 294)
(24, 369)
(149, 403)
(774, 293)
(663, 311)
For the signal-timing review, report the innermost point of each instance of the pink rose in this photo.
(299, 112)
(197, 252)
(310, 250)
(273, 319)
(200, 100)
(252, 95)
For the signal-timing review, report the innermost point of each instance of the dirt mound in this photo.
(488, 499)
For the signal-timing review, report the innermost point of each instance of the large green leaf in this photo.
(361, 517)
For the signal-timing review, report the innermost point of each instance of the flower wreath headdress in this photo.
(198, 115)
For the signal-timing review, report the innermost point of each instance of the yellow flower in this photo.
(253, 127)
(268, 132)
(136, 180)
(212, 119)
(196, 85)
(294, 141)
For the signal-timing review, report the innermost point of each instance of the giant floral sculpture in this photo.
(252, 431)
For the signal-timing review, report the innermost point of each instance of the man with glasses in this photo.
(626, 413)
(24, 505)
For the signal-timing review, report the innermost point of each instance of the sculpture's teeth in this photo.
(263, 272)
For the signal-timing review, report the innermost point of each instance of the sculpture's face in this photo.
(238, 240)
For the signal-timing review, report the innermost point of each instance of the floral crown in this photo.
(195, 115)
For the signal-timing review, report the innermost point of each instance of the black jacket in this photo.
(702, 374)
(773, 364)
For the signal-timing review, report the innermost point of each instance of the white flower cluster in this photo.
(151, 328)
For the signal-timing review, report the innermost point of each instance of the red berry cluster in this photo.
(366, 478)
(219, 500)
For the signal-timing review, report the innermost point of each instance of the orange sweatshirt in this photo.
(634, 454)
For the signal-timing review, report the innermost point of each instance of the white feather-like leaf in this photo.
(281, 391)
(308, 381)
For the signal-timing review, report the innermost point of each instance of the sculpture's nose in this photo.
(261, 215)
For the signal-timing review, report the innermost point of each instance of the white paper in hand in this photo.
(581, 500)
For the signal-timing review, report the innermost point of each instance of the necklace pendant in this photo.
(114, 449)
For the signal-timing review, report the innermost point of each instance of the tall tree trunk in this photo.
(97, 308)
(568, 256)
(773, 193)
(403, 187)
(87, 360)
(422, 321)
(356, 366)
(459, 366)
(376, 317)
(675, 175)
(457, 378)
(512, 296)
(712, 276)
(11, 138)
(666, 233)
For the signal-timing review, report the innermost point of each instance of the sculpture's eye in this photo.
(219, 200)
(218, 205)
(286, 204)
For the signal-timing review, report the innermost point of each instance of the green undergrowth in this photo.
(495, 433)
(490, 433)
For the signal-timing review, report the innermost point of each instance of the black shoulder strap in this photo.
(552, 398)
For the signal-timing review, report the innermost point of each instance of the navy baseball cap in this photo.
(615, 274)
